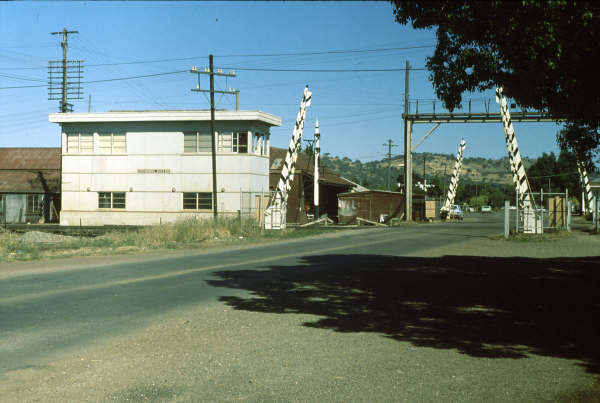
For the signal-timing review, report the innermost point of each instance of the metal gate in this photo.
(252, 207)
(551, 211)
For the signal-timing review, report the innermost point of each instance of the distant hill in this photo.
(374, 173)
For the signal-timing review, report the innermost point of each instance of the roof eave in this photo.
(165, 116)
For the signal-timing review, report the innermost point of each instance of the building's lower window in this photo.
(34, 203)
(111, 200)
(197, 201)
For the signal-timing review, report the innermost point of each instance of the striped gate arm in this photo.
(455, 176)
(519, 175)
(585, 184)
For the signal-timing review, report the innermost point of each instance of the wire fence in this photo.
(253, 205)
(551, 211)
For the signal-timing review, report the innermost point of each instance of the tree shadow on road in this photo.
(481, 306)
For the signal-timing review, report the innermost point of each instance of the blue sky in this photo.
(357, 111)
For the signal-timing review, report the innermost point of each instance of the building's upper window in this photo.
(233, 142)
(114, 200)
(260, 141)
(80, 143)
(224, 142)
(34, 203)
(196, 142)
(242, 142)
(112, 143)
(197, 201)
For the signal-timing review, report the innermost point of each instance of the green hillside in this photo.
(374, 174)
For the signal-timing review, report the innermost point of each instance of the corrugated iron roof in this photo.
(305, 163)
(29, 170)
(30, 158)
(29, 182)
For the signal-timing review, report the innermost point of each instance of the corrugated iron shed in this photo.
(29, 170)
(30, 158)
(376, 205)
(305, 164)
(300, 199)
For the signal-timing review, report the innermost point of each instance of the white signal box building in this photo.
(151, 167)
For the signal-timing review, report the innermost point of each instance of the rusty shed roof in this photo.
(29, 170)
(305, 164)
(30, 158)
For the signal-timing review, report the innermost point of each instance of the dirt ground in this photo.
(213, 352)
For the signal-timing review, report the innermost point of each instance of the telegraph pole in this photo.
(389, 154)
(211, 72)
(213, 148)
(407, 150)
(65, 47)
(317, 151)
(424, 181)
(68, 72)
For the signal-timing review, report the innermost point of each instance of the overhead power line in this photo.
(232, 68)
(105, 80)
(322, 70)
(22, 78)
(134, 77)
(327, 52)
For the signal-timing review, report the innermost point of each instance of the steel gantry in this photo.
(411, 119)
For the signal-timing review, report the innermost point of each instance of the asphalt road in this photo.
(45, 315)
(52, 310)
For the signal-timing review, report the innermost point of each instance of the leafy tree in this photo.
(582, 140)
(478, 201)
(543, 53)
(557, 174)
(497, 198)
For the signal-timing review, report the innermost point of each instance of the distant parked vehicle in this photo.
(456, 212)
(468, 209)
(486, 209)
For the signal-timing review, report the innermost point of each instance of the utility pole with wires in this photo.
(389, 145)
(64, 76)
(210, 71)
(317, 151)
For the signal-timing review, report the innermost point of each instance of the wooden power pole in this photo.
(211, 72)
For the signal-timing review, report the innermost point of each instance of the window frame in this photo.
(229, 142)
(78, 136)
(33, 204)
(200, 203)
(112, 200)
(112, 142)
(198, 149)
(258, 143)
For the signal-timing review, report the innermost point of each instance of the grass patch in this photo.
(548, 235)
(181, 235)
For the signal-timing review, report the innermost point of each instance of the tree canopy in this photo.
(543, 53)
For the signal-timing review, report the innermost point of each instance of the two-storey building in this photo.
(151, 167)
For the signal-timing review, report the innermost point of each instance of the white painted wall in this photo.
(153, 198)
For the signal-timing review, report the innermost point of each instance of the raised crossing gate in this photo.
(587, 189)
(455, 176)
(275, 214)
(530, 213)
